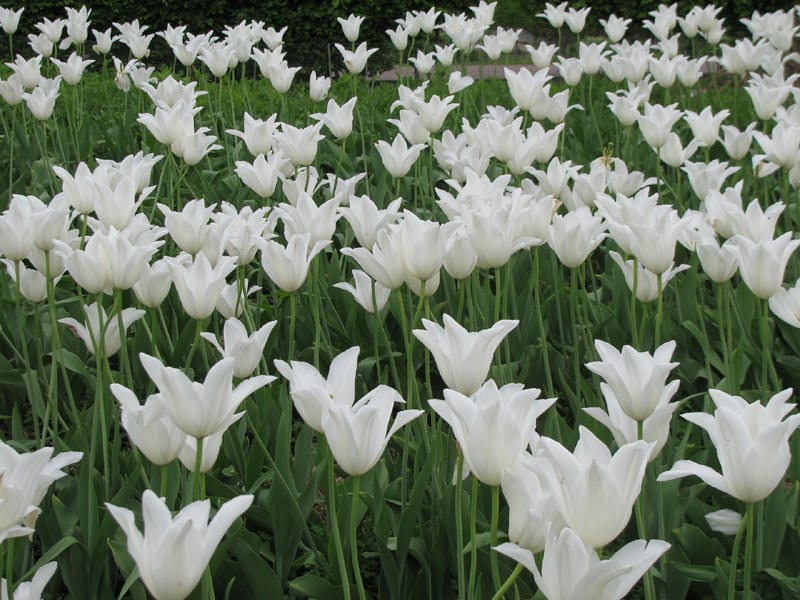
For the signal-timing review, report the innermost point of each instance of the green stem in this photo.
(501, 592)
(649, 589)
(737, 542)
(493, 535)
(199, 478)
(748, 549)
(334, 524)
(659, 309)
(540, 322)
(634, 324)
(26, 358)
(460, 526)
(473, 532)
(354, 539)
(195, 343)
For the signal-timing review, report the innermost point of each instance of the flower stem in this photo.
(473, 532)
(508, 582)
(460, 525)
(333, 521)
(748, 549)
(353, 538)
(737, 542)
(649, 590)
(493, 535)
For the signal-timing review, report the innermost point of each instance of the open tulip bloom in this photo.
(752, 443)
(173, 552)
(462, 357)
(571, 569)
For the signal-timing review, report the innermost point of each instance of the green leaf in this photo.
(314, 586)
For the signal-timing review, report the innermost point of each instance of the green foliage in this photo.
(309, 40)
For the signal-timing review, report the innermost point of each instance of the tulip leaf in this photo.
(788, 584)
(773, 528)
(695, 572)
(314, 586)
(259, 576)
(482, 539)
(50, 554)
(411, 512)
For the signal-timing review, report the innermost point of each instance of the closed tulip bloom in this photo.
(725, 521)
(574, 236)
(312, 394)
(762, 264)
(351, 26)
(594, 490)
(366, 219)
(462, 357)
(9, 19)
(149, 426)
(153, 284)
(398, 157)
(657, 122)
(200, 409)
(257, 134)
(338, 119)
(357, 434)
(287, 266)
(492, 426)
(198, 284)
(246, 350)
(16, 229)
(625, 430)
(705, 125)
(384, 261)
(188, 227)
(318, 87)
(172, 553)
(531, 510)
(263, 174)
(752, 444)
(42, 100)
(299, 145)
(571, 569)
(638, 379)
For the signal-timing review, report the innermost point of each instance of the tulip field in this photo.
(529, 331)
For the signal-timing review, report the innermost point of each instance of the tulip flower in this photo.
(725, 521)
(492, 426)
(245, 350)
(398, 157)
(594, 491)
(263, 174)
(571, 569)
(33, 589)
(355, 61)
(26, 478)
(200, 409)
(762, 264)
(257, 134)
(363, 291)
(357, 433)
(351, 26)
(90, 332)
(752, 443)
(312, 393)
(172, 553)
(462, 357)
(149, 426)
(318, 87)
(198, 284)
(288, 265)
(636, 379)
